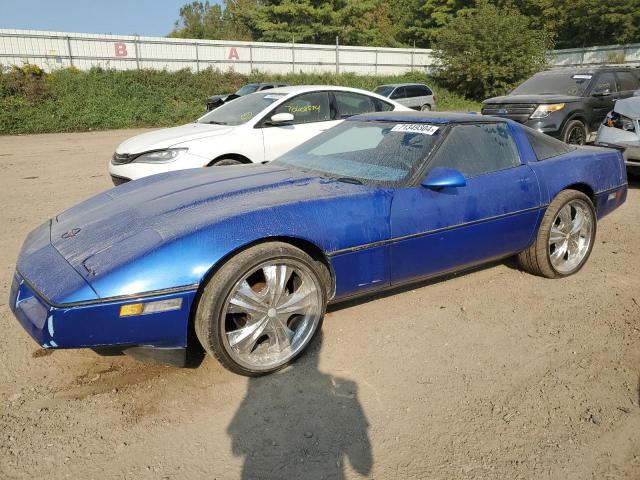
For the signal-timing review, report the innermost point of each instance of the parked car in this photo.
(621, 129)
(566, 103)
(254, 128)
(249, 256)
(413, 95)
(215, 101)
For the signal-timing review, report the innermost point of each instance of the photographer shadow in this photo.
(301, 423)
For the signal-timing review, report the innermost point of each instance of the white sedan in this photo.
(255, 128)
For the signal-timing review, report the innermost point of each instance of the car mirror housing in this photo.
(280, 118)
(441, 177)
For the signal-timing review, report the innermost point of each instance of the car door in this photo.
(415, 96)
(493, 215)
(604, 93)
(312, 114)
(400, 95)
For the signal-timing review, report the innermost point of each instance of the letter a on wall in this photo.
(233, 54)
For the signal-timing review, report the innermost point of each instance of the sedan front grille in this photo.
(519, 112)
(122, 158)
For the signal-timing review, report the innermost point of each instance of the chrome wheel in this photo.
(271, 314)
(571, 235)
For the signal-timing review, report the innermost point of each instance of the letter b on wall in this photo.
(120, 49)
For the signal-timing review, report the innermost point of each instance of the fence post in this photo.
(251, 58)
(337, 56)
(135, 44)
(69, 49)
(197, 57)
(293, 54)
(375, 67)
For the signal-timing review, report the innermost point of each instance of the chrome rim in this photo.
(271, 314)
(570, 237)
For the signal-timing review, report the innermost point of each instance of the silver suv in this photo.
(412, 95)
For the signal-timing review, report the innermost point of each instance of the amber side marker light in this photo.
(150, 307)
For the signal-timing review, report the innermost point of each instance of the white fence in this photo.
(53, 50)
(611, 54)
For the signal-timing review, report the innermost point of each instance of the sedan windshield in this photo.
(384, 90)
(380, 153)
(241, 110)
(554, 83)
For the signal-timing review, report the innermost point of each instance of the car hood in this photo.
(130, 222)
(537, 99)
(168, 137)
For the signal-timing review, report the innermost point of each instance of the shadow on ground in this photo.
(301, 423)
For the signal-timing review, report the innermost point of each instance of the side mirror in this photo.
(441, 177)
(280, 118)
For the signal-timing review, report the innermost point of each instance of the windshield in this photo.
(384, 90)
(554, 83)
(247, 89)
(382, 153)
(241, 110)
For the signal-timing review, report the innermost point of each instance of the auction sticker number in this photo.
(415, 128)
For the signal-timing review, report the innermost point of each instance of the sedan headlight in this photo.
(543, 111)
(161, 156)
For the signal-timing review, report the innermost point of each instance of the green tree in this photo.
(487, 50)
(585, 23)
(219, 22)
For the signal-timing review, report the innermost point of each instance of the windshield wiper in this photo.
(355, 181)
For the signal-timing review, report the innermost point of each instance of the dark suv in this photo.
(566, 103)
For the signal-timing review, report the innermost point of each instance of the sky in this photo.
(125, 17)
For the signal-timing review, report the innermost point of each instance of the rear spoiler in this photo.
(621, 148)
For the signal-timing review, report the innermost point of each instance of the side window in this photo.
(477, 149)
(307, 108)
(627, 81)
(382, 106)
(400, 92)
(416, 91)
(349, 104)
(605, 83)
(545, 146)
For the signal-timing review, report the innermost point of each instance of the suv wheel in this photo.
(575, 133)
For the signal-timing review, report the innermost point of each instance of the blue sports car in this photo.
(245, 258)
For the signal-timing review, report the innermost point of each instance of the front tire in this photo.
(565, 238)
(262, 308)
(224, 162)
(574, 133)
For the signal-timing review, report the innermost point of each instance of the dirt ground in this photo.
(493, 374)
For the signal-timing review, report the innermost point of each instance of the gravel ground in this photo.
(488, 374)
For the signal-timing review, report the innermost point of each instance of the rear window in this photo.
(628, 81)
(417, 91)
(545, 146)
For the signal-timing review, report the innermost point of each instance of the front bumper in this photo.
(98, 323)
(135, 170)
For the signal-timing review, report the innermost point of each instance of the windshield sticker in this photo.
(246, 116)
(274, 96)
(582, 77)
(415, 128)
(303, 108)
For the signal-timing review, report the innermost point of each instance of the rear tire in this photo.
(574, 133)
(262, 308)
(224, 162)
(425, 108)
(563, 244)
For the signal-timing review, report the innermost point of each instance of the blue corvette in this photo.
(247, 257)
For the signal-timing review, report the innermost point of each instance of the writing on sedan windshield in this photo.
(303, 108)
